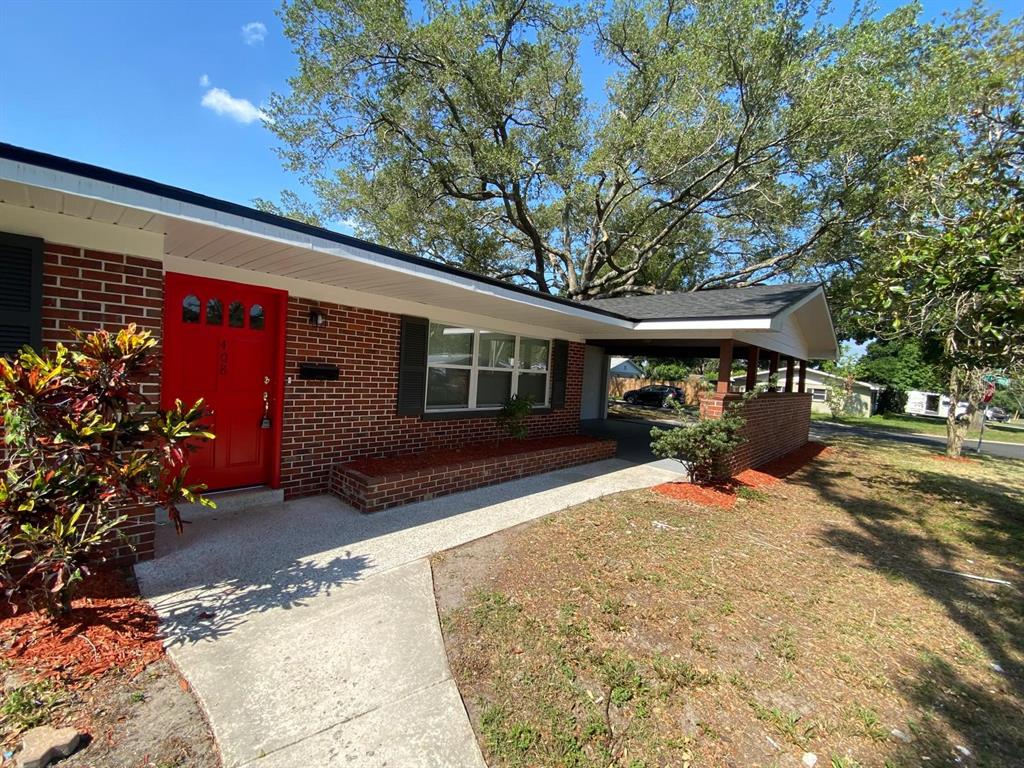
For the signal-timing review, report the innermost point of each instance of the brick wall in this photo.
(326, 422)
(88, 290)
(372, 494)
(776, 423)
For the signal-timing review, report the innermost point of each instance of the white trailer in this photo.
(930, 404)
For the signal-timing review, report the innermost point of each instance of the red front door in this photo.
(222, 343)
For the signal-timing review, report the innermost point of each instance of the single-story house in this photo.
(314, 349)
(862, 402)
(624, 368)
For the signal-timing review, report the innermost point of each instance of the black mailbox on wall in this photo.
(318, 371)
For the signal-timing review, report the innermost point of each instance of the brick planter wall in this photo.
(140, 528)
(777, 423)
(327, 422)
(374, 493)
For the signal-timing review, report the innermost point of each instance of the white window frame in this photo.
(815, 391)
(474, 371)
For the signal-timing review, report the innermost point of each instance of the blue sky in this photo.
(118, 84)
(168, 91)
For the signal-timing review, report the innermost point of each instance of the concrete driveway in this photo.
(309, 632)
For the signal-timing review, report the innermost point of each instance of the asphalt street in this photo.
(822, 430)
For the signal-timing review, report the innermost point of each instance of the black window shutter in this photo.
(21, 292)
(412, 366)
(559, 372)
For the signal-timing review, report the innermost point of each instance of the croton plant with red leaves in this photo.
(83, 444)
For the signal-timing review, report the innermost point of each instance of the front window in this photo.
(472, 368)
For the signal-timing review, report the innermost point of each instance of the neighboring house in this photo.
(314, 348)
(624, 368)
(863, 402)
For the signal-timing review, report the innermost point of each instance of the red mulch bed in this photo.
(110, 626)
(413, 462)
(956, 459)
(707, 495)
(723, 494)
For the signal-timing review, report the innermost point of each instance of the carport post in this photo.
(803, 377)
(724, 366)
(752, 353)
(773, 371)
(789, 374)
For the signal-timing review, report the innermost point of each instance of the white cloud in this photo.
(204, 81)
(223, 103)
(254, 32)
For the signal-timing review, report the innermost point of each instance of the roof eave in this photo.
(53, 172)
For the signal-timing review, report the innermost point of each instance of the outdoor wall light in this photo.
(317, 317)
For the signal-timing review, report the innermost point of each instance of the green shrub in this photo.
(892, 400)
(513, 416)
(701, 447)
(83, 443)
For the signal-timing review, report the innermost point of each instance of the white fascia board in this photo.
(112, 193)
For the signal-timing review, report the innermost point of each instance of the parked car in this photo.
(995, 413)
(658, 395)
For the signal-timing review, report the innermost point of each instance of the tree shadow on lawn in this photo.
(985, 722)
(215, 610)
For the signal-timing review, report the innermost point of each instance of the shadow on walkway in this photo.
(230, 565)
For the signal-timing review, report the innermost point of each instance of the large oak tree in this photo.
(636, 146)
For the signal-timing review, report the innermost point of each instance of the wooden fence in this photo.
(692, 387)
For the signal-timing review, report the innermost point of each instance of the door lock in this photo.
(266, 379)
(265, 421)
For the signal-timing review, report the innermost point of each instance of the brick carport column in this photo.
(776, 421)
(724, 366)
(712, 403)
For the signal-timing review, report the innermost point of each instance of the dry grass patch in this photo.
(814, 616)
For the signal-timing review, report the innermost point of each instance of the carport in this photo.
(780, 327)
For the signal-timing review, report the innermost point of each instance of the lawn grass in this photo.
(641, 631)
(924, 425)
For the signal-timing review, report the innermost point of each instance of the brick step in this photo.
(369, 493)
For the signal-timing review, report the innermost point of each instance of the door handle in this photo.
(265, 421)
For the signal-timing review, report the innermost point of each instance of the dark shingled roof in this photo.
(755, 301)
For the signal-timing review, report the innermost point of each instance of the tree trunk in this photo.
(956, 433)
(956, 428)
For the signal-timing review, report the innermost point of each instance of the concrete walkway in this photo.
(309, 632)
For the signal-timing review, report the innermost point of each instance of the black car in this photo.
(658, 395)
